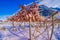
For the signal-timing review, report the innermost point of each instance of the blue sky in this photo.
(9, 7)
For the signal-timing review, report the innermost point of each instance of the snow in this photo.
(24, 34)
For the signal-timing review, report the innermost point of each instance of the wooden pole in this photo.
(13, 23)
(40, 24)
(30, 35)
(58, 25)
(13, 27)
(47, 29)
(52, 28)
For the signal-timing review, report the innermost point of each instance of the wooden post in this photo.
(40, 22)
(13, 23)
(13, 28)
(47, 29)
(30, 35)
(52, 28)
(58, 25)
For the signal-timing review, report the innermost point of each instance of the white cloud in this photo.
(51, 3)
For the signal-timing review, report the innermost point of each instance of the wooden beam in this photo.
(52, 15)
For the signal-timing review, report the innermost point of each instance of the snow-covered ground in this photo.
(22, 34)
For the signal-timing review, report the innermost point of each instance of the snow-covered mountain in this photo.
(47, 11)
(58, 9)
